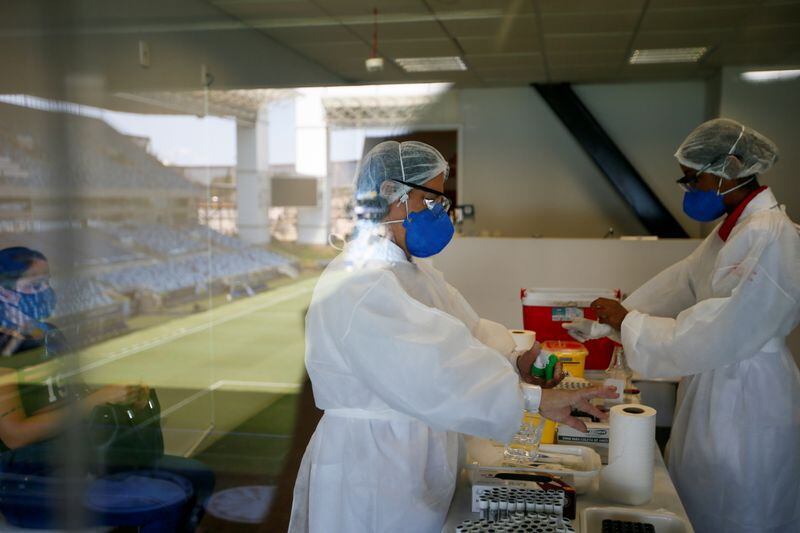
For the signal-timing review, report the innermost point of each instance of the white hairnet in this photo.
(728, 149)
(409, 161)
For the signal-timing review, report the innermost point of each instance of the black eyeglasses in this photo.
(689, 183)
(430, 203)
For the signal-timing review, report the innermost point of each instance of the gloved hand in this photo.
(584, 329)
(525, 362)
(557, 405)
(610, 312)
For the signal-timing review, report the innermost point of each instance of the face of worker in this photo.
(36, 278)
(710, 182)
(416, 202)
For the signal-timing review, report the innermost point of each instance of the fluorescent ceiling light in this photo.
(430, 64)
(758, 76)
(667, 55)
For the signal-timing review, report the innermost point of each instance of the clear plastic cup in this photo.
(524, 446)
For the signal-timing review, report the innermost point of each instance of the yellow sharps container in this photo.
(571, 354)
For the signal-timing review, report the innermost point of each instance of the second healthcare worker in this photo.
(720, 318)
(401, 363)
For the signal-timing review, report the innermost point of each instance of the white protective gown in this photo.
(401, 364)
(720, 318)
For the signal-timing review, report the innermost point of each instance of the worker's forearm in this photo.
(18, 433)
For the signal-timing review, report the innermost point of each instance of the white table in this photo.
(665, 498)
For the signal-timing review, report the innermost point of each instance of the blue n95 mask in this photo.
(39, 305)
(428, 231)
(705, 206)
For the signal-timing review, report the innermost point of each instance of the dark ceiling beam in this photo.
(610, 160)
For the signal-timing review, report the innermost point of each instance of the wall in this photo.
(774, 110)
(527, 176)
(491, 272)
(648, 121)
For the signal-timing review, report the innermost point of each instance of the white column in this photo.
(313, 223)
(252, 182)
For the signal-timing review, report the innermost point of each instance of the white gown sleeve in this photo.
(752, 309)
(427, 364)
(666, 294)
(497, 337)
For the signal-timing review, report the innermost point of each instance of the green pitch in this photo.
(212, 370)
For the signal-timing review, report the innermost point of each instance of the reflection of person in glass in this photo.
(37, 401)
(33, 412)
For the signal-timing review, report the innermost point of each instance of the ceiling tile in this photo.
(681, 39)
(664, 71)
(418, 48)
(569, 59)
(494, 72)
(689, 19)
(585, 6)
(312, 34)
(587, 42)
(246, 9)
(357, 52)
(494, 45)
(347, 8)
(775, 15)
(487, 27)
(408, 30)
(522, 60)
(769, 34)
(511, 7)
(699, 4)
(454, 77)
(517, 35)
(749, 54)
(589, 22)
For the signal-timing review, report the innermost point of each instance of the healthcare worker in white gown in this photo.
(402, 365)
(720, 318)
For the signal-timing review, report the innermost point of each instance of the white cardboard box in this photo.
(596, 438)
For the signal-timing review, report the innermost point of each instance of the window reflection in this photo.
(175, 255)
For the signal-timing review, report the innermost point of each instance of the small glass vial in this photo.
(632, 395)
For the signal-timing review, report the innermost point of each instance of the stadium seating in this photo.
(123, 256)
(104, 158)
(79, 295)
(160, 239)
(195, 270)
(85, 246)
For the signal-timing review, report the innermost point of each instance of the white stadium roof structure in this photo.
(241, 104)
(375, 111)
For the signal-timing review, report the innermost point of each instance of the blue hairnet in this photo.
(409, 161)
(730, 150)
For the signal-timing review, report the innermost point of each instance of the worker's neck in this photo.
(734, 198)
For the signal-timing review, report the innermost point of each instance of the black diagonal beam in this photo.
(609, 159)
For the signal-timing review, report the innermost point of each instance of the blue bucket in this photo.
(153, 501)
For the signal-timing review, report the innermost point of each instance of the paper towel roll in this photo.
(523, 338)
(628, 478)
